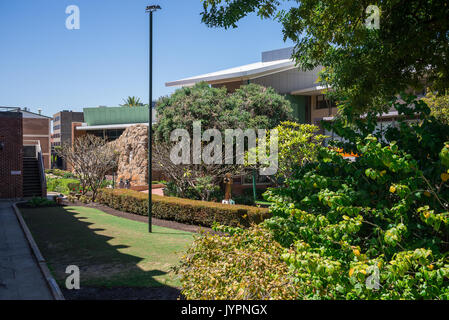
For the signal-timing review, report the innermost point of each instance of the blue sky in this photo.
(42, 64)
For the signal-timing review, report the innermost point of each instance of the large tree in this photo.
(365, 67)
(91, 159)
(249, 107)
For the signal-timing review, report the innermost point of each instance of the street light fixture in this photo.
(150, 9)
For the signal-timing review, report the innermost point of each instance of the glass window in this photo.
(323, 103)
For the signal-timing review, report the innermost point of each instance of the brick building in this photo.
(11, 155)
(37, 131)
(62, 131)
(25, 152)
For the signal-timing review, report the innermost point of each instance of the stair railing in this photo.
(42, 177)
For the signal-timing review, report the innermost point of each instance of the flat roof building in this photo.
(62, 126)
(111, 122)
(25, 152)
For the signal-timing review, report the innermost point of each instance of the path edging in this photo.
(51, 282)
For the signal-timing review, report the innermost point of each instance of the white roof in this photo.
(311, 90)
(246, 72)
(85, 127)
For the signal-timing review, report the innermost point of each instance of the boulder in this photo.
(132, 147)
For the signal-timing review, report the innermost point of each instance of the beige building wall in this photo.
(318, 114)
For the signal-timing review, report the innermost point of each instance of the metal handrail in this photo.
(42, 177)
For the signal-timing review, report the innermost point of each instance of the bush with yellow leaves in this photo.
(239, 264)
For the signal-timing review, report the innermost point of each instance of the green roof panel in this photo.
(115, 115)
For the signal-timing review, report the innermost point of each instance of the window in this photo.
(323, 103)
(113, 134)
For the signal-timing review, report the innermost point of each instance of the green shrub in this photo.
(182, 210)
(61, 185)
(247, 196)
(159, 182)
(85, 199)
(40, 202)
(375, 228)
(71, 198)
(245, 265)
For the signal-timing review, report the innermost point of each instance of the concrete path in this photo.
(158, 191)
(20, 275)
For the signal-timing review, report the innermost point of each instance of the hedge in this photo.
(182, 210)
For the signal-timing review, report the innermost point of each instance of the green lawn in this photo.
(110, 251)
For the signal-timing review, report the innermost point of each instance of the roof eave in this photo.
(235, 76)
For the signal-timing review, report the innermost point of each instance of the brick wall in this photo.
(39, 129)
(11, 154)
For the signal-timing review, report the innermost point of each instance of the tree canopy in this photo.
(250, 106)
(366, 67)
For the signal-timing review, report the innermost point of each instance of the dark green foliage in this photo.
(365, 67)
(387, 210)
(251, 106)
(40, 202)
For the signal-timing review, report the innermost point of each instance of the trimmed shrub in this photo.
(182, 210)
(244, 264)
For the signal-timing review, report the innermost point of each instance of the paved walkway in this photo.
(20, 276)
(158, 191)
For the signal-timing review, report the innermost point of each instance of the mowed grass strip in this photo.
(110, 251)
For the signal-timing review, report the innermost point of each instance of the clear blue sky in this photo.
(42, 64)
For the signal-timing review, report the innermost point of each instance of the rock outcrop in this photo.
(133, 159)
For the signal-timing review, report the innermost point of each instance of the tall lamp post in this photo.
(150, 9)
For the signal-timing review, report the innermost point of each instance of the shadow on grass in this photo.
(65, 238)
